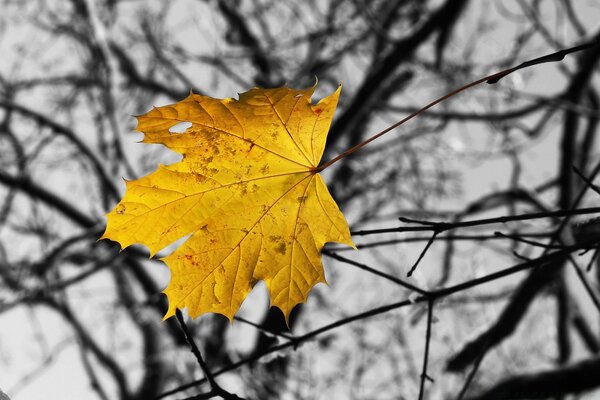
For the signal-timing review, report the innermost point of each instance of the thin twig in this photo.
(445, 226)
(195, 350)
(375, 272)
(518, 238)
(429, 242)
(585, 283)
(424, 375)
(215, 389)
(586, 180)
(480, 238)
(472, 373)
(266, 331)
(594, 257)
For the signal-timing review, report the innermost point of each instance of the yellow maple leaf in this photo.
(248, 192)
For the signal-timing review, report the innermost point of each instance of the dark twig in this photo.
(261, 328)
(554, 57)
(429, 242)
(195, 350)
(450, 238)
(586, 180)
(594, 257)
(444, 226)
(472, 373)
(574, 378)
(439, 227)
(518, 238)
(424, 376)
(375, 272)
(586, 284)
(588, 336)
(215, 389)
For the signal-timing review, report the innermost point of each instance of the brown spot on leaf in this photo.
(281, 248)
(275, 238)
(199, 178)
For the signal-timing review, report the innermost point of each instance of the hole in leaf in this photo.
(180, 127)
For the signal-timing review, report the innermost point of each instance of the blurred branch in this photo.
(471, 116)
(112, 367)
(516, 308)
(377, 77)
(576, 378)
(50, 199)
(128, 69)
(72, 137)
(239, 32)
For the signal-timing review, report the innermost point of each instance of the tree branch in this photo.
(576, 378)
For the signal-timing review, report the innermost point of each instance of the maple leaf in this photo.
(248, 192)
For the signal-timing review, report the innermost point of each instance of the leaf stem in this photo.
(491, 79)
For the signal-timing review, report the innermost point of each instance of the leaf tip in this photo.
(323, 281)
(287, 320)
(168, 314)
(172, 307)
(230, 318)
(316, 82)
(153, 250)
